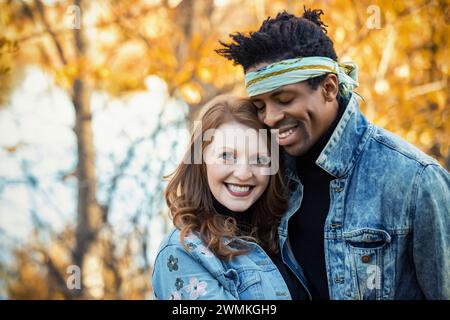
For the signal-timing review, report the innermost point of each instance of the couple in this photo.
(353, 211)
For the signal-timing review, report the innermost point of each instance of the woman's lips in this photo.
(239, 190)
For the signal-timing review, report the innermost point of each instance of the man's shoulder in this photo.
(399, 148)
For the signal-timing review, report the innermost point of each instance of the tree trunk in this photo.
(89, 214)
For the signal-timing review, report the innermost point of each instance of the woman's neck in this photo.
(243, 219)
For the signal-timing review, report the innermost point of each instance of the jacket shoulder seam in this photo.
(423, 162)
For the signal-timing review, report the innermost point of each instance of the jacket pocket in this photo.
(365, 248)
(245, 285)
(249, 287)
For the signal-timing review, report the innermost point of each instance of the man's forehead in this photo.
(273, 94)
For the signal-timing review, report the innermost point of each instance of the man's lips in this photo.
(288, 135)
(287, 127)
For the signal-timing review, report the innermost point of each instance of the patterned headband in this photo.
(281, 73)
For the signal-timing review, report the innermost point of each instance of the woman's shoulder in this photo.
(192, 244)
(170, 239)
(173, 239)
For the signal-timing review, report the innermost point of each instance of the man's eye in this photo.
(285, 101)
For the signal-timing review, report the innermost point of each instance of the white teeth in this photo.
(236, 188)
(286, 133)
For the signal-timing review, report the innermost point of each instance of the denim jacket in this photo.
(196, 273)
(387, 233)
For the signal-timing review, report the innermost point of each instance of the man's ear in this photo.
(330, 87)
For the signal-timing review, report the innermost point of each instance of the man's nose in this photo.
(243, 172)
(273, 116)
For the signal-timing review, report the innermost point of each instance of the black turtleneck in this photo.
(243, 219)
(306, 226)
(244, 222)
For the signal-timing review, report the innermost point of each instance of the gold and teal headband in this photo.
(281, 73)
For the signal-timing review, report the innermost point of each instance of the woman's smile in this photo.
(238, 190)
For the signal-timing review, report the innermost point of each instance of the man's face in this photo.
(301, 114)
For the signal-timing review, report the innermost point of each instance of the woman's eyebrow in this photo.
(221, 148)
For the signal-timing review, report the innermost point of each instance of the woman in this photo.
(226, 211)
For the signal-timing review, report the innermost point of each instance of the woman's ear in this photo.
(330, 87)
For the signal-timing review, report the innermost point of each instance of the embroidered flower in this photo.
(196, 288)
(175, 296)
(179, 283)
(205, 251)
(191, 246)
(172, 263)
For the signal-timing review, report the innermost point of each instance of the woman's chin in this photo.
(238, 207)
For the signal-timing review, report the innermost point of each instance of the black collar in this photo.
(243, 219)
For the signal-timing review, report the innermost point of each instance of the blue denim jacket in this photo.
(387, 233)
(197, 273)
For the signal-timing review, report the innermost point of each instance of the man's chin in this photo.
(296, 149)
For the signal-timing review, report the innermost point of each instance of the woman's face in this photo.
(235, 162)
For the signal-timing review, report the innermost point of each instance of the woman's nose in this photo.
(243, 172)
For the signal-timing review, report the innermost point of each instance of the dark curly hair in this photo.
(284, 37)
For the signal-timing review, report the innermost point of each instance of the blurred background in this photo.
(96, 102)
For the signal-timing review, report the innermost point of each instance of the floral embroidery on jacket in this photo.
(196, 288)
(175, 295)
(179, 283)
(191, 246)
(172, 263)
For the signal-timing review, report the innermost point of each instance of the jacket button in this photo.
(365, 259)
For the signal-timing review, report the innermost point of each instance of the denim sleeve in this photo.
(178, 276)
(431, 235)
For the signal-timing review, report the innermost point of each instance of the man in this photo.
(369, 214)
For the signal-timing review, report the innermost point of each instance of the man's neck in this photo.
(313, 153)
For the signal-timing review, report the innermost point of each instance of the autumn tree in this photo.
(128, 40)
(401, 48)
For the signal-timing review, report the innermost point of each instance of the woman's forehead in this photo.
(237, 135)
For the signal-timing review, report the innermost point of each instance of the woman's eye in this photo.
(263, 160)
(227, 156)
(259, 106)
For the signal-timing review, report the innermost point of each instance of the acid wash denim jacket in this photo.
(387, 233)
(196, 273)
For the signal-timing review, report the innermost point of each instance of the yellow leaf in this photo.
(191, 92)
